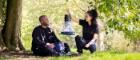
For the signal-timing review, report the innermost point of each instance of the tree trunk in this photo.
(11, 30)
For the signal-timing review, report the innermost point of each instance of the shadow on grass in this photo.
(24, 54)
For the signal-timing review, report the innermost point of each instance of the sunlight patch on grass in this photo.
(102, 56)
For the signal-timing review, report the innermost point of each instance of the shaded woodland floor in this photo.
(86, 56)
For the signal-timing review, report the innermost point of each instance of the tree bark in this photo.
(11, 30)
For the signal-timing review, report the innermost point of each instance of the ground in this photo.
(86, 56)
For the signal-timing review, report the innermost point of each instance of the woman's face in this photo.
(88, 17)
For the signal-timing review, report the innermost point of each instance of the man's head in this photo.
(44, 20)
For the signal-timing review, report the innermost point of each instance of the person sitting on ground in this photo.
(45, 42)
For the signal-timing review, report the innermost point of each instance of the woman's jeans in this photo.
(80, 44)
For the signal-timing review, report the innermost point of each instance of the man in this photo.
(45, 42)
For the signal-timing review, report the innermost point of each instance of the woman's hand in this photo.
(92, 41)
(73, 18)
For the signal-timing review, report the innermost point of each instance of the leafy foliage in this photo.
(122, 15)
(2, 11)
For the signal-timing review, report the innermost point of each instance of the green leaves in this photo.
(2, 12)
(122, 15)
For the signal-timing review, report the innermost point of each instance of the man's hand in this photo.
(50, 45)
(87, 45)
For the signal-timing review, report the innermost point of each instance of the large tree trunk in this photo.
(11, 30)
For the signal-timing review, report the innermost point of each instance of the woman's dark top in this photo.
(88, 30)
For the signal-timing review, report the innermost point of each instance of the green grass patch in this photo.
(102, 56)
(108, 55)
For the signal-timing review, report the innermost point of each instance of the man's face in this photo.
(44, 21)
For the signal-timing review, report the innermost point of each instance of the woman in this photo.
(90, 32)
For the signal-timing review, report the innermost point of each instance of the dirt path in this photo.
(20, 56)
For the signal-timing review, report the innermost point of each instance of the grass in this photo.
(108, 55)
(102, 56)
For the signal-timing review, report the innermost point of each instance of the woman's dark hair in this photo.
(93, 13)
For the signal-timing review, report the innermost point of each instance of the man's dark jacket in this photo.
(42, 36)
